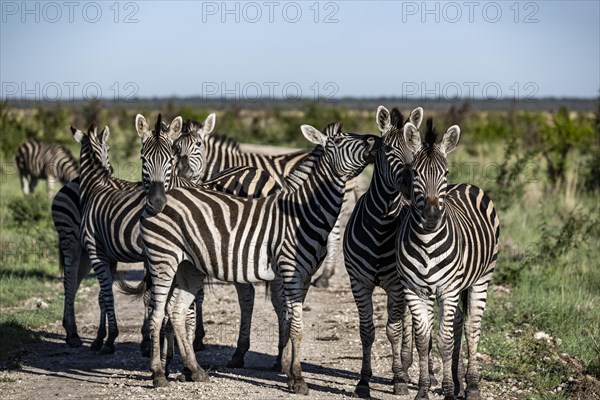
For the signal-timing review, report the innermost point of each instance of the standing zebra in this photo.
(66, 213)
(224, 153)
(110, 217)
(280, 237)
(446, 248)
(39, 160)
(370, 244)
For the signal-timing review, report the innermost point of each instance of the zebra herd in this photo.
(204, 209)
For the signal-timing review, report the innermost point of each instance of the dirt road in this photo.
(331, 353)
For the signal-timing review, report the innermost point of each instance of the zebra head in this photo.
(346, 154)
(394, 156)
(190, 148)
(158, 158)
(97, 144)
(430, 171)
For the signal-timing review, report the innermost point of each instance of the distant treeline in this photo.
(505, 104)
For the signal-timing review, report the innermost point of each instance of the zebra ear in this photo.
(314, 135)
(104, 134)
(450, 139)
(412, 137)
(383, 118)
(209, 124)
(142, 127)
(416, 117)
(77, 134)
(175, 129)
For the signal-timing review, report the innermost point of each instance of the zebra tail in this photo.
(136, 291)
(267, 290)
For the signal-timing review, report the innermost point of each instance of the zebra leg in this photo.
(406, 354)
(24, 183)
(278, 302)
(101, 334)
(70, 256)
(291, 357)
(458, 367)
(146, 343)
(331, 261)
(422, 324)
(32, 183)
(395, 309)
(246, 294)
(104, 275)
(200, 333)
(188, 281)
(50, 183)
(475, 305)
(446, 340)
(363, 297)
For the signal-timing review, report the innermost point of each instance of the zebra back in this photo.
(44, 160)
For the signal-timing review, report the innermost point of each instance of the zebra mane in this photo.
(190, 126)
(332, 128)
(397, 119)
(430, 135)
(159, 126)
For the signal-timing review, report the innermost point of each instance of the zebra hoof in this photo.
(107, 349)
(449, 397)
(185, 376)
(473, 394)
(200, 376)
(236, 362)
(400, 388)
(198, 345)
(96, 345)
(422, 395)
(362, 392)
(160, 382)
(74, 341)
(300, 387)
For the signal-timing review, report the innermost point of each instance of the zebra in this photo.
(222, 153)
(446, 248)
(109, 228)
(66, 213)
(279, 238)
(39, 160)
(73, 259)
(369, 249)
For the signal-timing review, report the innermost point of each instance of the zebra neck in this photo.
(380, 197)
(322, 193)
(93, 174)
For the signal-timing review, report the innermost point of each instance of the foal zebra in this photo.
(280, 237)
(369, 249)
(39, 160)
(446, 248)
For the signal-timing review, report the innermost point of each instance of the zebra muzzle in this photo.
(157, 197)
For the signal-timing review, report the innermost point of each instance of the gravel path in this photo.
(331, 352)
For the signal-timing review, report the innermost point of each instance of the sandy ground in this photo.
(331, 353)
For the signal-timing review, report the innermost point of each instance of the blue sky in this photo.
(216, 49)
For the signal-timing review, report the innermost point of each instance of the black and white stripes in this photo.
(280, 238)
(39, 160)
(447, 248)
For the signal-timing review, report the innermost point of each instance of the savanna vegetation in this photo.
(541, 330)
